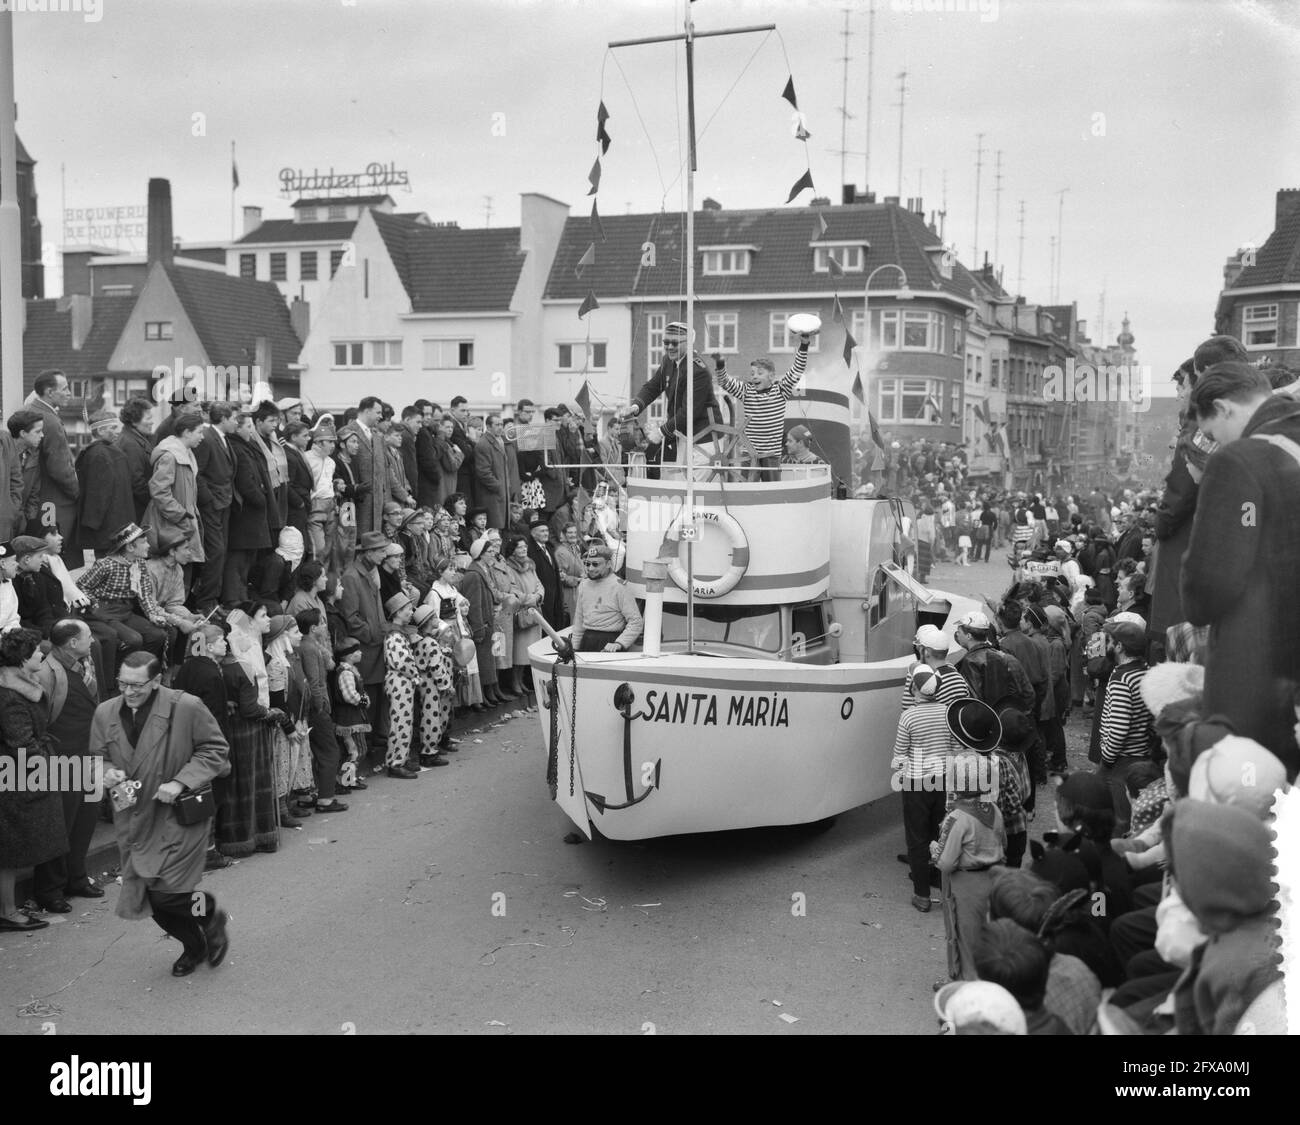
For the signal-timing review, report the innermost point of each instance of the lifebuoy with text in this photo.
(730, 577)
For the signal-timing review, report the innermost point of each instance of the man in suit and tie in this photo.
(370, 464)
(57, 489)
(169, 742)
(216, 483)
(72, 693)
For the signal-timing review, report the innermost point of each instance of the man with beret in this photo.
(605, 615)
(104, 477)
(670, 380)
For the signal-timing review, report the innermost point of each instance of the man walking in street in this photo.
(169, 742)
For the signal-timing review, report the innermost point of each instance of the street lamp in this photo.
(904, 294)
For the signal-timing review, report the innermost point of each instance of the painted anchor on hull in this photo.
(624, 697)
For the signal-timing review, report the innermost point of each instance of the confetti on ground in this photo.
(639, 905)
(874, 925)
(495, 1023)
(478, 742)
(588, 903)
(788, 1017)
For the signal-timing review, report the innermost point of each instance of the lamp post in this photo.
(904, 294)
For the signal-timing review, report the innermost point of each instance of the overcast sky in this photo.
(1171, 122)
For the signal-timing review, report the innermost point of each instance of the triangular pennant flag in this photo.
(588, 304)
(602, 115)
(594, 177)
(875, 429)
(821, 222)
(788, 92)
(849, 344)
(804, 181)
(858, 392)
(837, 310)
(588, 259)
(837, 270)
(597, 228)
(979, 413)
(583, 399)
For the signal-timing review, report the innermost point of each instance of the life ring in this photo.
(739, 555)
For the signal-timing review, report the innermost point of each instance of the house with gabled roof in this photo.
(434, 311)
(221, 335)
(1260, 300)
(753, 270)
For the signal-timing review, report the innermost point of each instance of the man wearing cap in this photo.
(216, 483)
(605, 616)
(363, 617)
(122, 595)
(1239, 574)
(996, 677)
(104, 477)
(57, 489)
(670, 380)
(320, 463)
(1125, 720)
(931, 648)
(290, 411)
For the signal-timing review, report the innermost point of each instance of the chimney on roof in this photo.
(914, 205)
(300, 318)
(1288, 202)
(1232, 267)
(252, 218)
(79, 306)
(892, 199)
(820, 201)
(849, 193)
(710, 204)
(160, 222)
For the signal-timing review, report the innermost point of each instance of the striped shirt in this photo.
(952, 686)
(924, 743)
(765, 410)
(1125, 719)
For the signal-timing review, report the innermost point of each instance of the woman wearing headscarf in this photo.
(251, 823)
(452, 606)
(527, 588)
(276, 580)
(499, 579)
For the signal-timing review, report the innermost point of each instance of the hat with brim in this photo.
(423, 613)
(395, 604)
(287, 404)
(1018, 730)
(372, 541)
(538, 523)
(279, 624)
(22, 546)
(324, 432)
(974, 724)
(128, 534)
(168, 539)
(102, 418)
(394, 552)
(476, 512)
(1132, 637)
(479, 546)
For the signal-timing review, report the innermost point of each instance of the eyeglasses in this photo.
(129, 685)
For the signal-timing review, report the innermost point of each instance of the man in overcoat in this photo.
(169, 742)
(370, 464)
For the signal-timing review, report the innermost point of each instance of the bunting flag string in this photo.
(597, 226)
(875, 428)
(594, 177)
(858, 392)
(821, 223)
(849, 344)
(588, 259)
(804, 181)
(602, 135)
(583, 399)
(837, 310)
(836, 269)
(589, 303)
(788, 92)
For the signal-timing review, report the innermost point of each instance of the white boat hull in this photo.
(717, 743)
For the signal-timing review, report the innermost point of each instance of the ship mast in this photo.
(689, 531)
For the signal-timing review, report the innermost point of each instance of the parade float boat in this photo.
(779, 618)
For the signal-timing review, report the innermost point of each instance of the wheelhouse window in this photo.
(756, 627)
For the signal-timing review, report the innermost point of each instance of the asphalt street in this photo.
(452, 904)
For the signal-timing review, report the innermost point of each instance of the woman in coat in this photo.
(174, 486)
(137, 446)
(500, 580)
(31, 824)
(528, 591)
(482, 623)
(249, 530)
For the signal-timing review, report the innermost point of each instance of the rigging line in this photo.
(789, 69)
(637, 109)
(718, 110)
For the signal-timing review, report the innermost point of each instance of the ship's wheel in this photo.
(733, 455)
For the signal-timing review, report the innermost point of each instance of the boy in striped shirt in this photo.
(764, 399)
(1125, 720)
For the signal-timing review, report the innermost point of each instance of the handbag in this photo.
(194, 806)
(524, 619)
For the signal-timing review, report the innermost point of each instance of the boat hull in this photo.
(706, 744)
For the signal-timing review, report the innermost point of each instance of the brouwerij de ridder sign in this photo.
(294, 181)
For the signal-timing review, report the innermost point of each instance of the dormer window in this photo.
(721, 261)
(306, 214)
(337, 212)
(850, 256)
